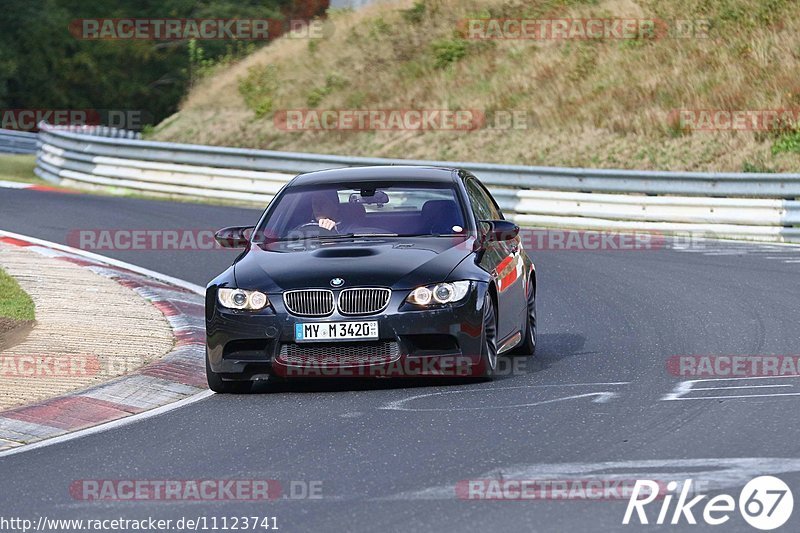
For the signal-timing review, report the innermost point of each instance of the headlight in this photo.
(242, 299)
(440, 293)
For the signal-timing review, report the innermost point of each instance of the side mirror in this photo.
(234, 236)
(498, 230)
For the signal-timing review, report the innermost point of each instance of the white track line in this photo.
(128, 419)
(14, 185)
(601, 397)
(746, 241)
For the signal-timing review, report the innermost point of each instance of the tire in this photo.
(528, 345)
(488, 361)
(220, 386)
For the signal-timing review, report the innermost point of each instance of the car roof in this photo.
(376, 173)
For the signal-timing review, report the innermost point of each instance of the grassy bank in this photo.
(602, 103)
(15, 304)
(19, 168)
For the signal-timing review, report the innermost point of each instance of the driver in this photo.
(325, 206)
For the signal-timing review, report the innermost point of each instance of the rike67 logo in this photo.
(765, 503)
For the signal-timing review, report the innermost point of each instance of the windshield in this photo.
(363, 209)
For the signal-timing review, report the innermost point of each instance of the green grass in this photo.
(788, 142)
(19, 168)
(14, 302)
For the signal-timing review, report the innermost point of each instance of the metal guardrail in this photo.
(734, 205)
(97, 131)
(17, 142)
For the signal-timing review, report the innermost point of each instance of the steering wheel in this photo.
(315, 226)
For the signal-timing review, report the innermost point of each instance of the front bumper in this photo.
(443, 341)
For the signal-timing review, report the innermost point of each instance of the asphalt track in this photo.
(594, 401)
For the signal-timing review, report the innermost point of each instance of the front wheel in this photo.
(528, 345)
(488, 361)
(218, 385)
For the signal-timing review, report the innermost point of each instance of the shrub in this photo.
(258, 89)
(447, 51)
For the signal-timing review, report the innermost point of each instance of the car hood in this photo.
(396, 263)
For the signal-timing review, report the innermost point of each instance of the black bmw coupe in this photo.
(371, 272)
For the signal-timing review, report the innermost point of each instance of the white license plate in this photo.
(336, 331)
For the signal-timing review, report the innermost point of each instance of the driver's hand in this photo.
(326, 223)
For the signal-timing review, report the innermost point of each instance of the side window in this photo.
(477, 203)
(482, 204)
(496, 213)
